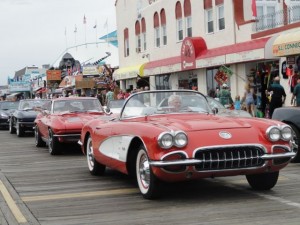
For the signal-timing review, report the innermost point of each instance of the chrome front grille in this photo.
(229, 157)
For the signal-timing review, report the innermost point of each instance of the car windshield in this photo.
(165, 102)
(9, 105)
(215, 103)
(116, 103)
(33, 104)
(77, 105)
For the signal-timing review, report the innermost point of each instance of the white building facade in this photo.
(201, 44)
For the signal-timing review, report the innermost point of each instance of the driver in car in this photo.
(174, 101)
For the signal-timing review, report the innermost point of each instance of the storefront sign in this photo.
(188, 59)
(245, 56)
(213, 61)
(19, 86)
(53, 74)
(85, 83)
(291, 48)
(290, 60)
(91, 71)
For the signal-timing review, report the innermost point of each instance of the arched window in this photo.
(179, 23)
(144, 34)
(163, 22)
(188, 18)
(138, 36)
(126, 42)
(156, 29)
(209, 16)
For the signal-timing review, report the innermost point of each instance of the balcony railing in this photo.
(277, 19)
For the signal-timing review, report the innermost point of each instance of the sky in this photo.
(39, 32)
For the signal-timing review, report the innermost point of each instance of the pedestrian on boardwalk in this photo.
(278, 95)
(237, 102)
(225, 96)
(296, 93)
(248, 99)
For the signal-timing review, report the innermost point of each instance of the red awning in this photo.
(235, 53)
(41, 90)
(235, 48)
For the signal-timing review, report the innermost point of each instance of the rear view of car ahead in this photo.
(63, 121)
(158, 137)
(290, 116)
(22, 119)
(6, 109)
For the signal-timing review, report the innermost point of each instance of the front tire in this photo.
(148, 184)
(20, 131)
(53, 144)
(95, 167)
(12, 129)
(264, 181)
(296, 136)
(38, 139)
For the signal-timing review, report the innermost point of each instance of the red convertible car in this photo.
(63, 120)
(184, 140)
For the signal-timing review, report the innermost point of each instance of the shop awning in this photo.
(240, 52)
(287, 44)
(129, 72)
(257, 49)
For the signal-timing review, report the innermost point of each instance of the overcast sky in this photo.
(37, 32)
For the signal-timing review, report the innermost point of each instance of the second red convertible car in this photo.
(185, 140)
(63, 120)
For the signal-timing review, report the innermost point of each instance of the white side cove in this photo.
(116, 147)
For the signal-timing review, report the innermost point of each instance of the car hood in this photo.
(27, 114)
(71, 120)
(200, 122)
(7, 111)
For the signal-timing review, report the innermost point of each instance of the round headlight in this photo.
(165, 140)
(274, 133)
(286, 133)
(180, 139)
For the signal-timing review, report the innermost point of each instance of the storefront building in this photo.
(199, 45)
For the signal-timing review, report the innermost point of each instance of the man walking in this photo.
(225, 96)
(296, 93)
(278, 95)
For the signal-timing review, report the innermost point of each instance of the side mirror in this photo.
(215, 110)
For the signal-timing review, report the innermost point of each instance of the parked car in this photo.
(22, 119)
(222, 110)
(63, 121)
(114, 106)
(290, 116)
(7, 108)
(155, 143)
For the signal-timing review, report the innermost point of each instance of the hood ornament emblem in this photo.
(225, 135)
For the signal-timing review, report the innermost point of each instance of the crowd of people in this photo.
(250, 101)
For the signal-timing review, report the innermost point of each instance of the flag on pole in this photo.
(84, 20)
(75, 30)
(253, 6)
(65, 31)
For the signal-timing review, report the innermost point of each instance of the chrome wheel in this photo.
(95, 167)
(38, 139)
(90, 154)
(53, 144)
(143, 172)
(20, 131)
(148, 184)
(12, 130)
